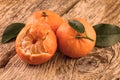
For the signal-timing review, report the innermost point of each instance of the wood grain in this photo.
(18, 11)
(100, 64)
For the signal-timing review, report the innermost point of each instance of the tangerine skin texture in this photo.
(70, 45)
(36, 44)
(51, 18)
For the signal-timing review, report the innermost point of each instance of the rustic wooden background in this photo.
(100, 64)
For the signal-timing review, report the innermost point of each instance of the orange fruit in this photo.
(73, 46)
(36, 44)
(46, 16)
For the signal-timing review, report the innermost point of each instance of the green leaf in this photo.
(79, 27)
(107, 35)
(11, 31)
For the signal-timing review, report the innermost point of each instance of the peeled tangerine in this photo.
(36, 44)
(71, 44)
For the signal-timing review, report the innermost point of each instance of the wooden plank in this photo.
(12, 11)
(18, 11)
(101, 64)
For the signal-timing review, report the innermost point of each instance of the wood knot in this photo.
(90, 63)
(87, 64)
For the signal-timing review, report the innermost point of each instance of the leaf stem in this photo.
(86, 37)
(44, 14)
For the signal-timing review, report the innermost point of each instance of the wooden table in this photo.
(100, 64)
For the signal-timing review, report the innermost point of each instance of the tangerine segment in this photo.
(72, 46)
(36, 44)
(46, 16)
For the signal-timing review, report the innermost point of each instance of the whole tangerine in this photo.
(73, 43)
(46, 16)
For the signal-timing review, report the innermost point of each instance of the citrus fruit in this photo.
(46, 16)
(36, 44)
(73, 43)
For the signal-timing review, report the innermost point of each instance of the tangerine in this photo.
(36, 44)
(46, 16)
(74, 44)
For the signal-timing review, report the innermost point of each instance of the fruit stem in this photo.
(86, 37)
(44, 14)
